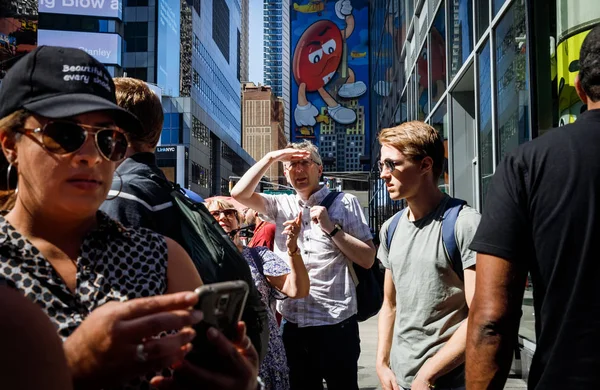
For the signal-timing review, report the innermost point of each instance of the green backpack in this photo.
(217, 259)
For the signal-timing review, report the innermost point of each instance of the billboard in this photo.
(18, 36)
(106, 48)
(101, 8)
(573, 25)
(168, 46)
(330, 67)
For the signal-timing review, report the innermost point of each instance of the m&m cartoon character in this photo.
(316, 60)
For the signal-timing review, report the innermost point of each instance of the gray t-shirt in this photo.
(430, 298)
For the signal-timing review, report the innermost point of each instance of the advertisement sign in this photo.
(17, 38)
(168, 46)
(102, 8)
(330, 83)
(106, 48)
(574, 24)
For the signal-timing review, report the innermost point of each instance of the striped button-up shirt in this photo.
(332, 297)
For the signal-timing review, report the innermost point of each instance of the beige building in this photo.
(262, 125)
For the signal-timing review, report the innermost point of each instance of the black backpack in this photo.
(369, 287)
(217, 259)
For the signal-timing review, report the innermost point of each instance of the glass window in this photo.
(461, 43)
(422, 84)
(482, 14)
(497, 5)
(486, 145)
(439, 121)
(512, 102)
(437, 50)
(136, 37)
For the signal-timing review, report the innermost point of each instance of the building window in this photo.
(200, 132)
(136, 3)
(224, 187)
(137, 73)
(197, 6)
(136, 37)
(220, 31)
(239, 55)
(200, 175)
(196, 79)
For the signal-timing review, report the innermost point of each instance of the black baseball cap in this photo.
(59, 82)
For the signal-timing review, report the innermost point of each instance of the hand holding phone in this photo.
(222, 305)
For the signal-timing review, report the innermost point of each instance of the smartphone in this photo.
(222, 305)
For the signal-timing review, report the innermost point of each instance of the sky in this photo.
(256, 39)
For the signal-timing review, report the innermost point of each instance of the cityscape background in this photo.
(489, 75)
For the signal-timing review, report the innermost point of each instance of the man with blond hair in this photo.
(430, 270)
(320, 332)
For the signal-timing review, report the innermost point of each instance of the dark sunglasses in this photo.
(387, 163)
(228, 213)
(63, 137)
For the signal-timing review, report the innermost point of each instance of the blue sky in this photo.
(256, 39)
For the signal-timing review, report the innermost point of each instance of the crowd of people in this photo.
(96, 286)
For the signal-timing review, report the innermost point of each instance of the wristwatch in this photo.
(335, 231)
(296, 252)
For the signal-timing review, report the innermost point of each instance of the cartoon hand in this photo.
(343, 8)
(305, 115)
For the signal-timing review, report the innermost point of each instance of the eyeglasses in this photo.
(389, 164)
(63, 137)
(229, 213)
(304, 164)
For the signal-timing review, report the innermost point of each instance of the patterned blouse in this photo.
(274, 370)
(115, 264)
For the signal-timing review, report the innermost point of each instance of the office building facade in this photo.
(488, 74)
(277, 52)
(262, 125)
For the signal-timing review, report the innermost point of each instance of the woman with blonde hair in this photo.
(274, 279)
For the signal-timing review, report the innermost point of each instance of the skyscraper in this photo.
(277, 52)
(244, 44)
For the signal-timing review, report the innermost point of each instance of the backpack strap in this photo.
(330, 198)
(453, 207)
(392, 228)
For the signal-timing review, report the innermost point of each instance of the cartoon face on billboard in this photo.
(318, 55)
(317, 59)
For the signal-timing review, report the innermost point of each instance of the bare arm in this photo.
(452, 354)
(243, 191)
(493, 321)
(181, 272)
(296, 284)
(349, 26)
(32, 355)
(359, 252)
(385, 330)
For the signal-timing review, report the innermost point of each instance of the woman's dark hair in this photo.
(10, 124)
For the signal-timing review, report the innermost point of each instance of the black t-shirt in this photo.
(543, 210)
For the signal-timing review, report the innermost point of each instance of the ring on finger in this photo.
(247, 343)
(140, 353)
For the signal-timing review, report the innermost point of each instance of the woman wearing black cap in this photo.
(101, 284)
